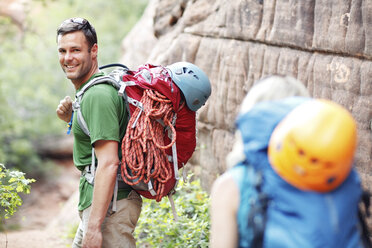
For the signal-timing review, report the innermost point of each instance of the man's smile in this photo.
(70, 67)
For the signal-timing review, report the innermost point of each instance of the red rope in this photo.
(143, 147)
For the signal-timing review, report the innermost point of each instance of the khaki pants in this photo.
(118, 227)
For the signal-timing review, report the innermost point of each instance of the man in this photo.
(106, 117)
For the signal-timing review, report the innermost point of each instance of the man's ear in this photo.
(94, 51)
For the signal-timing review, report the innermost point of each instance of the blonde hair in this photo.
(273, 88)
(266, 89)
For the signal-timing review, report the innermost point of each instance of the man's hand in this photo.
(64, 109)
(93, 238)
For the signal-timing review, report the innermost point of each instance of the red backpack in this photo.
(161, 133)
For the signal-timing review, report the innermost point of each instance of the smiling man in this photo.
(106, 117)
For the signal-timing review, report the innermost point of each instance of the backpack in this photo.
(160, 136)
(280, 215)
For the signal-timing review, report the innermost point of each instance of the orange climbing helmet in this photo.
(313, 147)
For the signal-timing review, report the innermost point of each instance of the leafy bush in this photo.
(12, 183)
(157, 228)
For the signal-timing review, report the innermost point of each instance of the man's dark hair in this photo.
(78, 24)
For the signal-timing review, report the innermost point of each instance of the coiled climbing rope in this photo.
(143, 148)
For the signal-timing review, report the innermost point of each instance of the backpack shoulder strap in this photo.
(363, 214)
(99, 80)
(258, 214)
(79, 96)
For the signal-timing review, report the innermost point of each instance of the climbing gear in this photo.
(193, 83)
(160, 135)
(288, 220)
(314, 146)
(69, 124)
(143, 149)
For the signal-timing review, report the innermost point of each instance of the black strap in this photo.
(363, 214)
(258, 213)
(113, 65)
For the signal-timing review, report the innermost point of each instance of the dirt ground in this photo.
(47, 215)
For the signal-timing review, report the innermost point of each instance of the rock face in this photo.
(15, 10)
(325, 44)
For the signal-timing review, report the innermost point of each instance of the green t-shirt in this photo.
(105, 113)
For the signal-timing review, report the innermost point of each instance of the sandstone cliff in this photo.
(325, 44)
(15, 10)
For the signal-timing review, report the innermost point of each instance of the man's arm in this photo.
(104, 183)
(224, 206)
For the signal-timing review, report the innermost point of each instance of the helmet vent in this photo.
(191, 72)
(196, 102)
(314, 160)
(330, 180)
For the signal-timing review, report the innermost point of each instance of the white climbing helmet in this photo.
(193, 83)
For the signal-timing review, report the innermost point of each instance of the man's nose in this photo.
(68, 56)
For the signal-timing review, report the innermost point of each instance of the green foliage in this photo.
(31, 80)
(12, 183)
(71, 232)
(156, 227)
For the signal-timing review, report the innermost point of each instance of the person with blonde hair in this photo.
(291, 181)
(225, 192)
